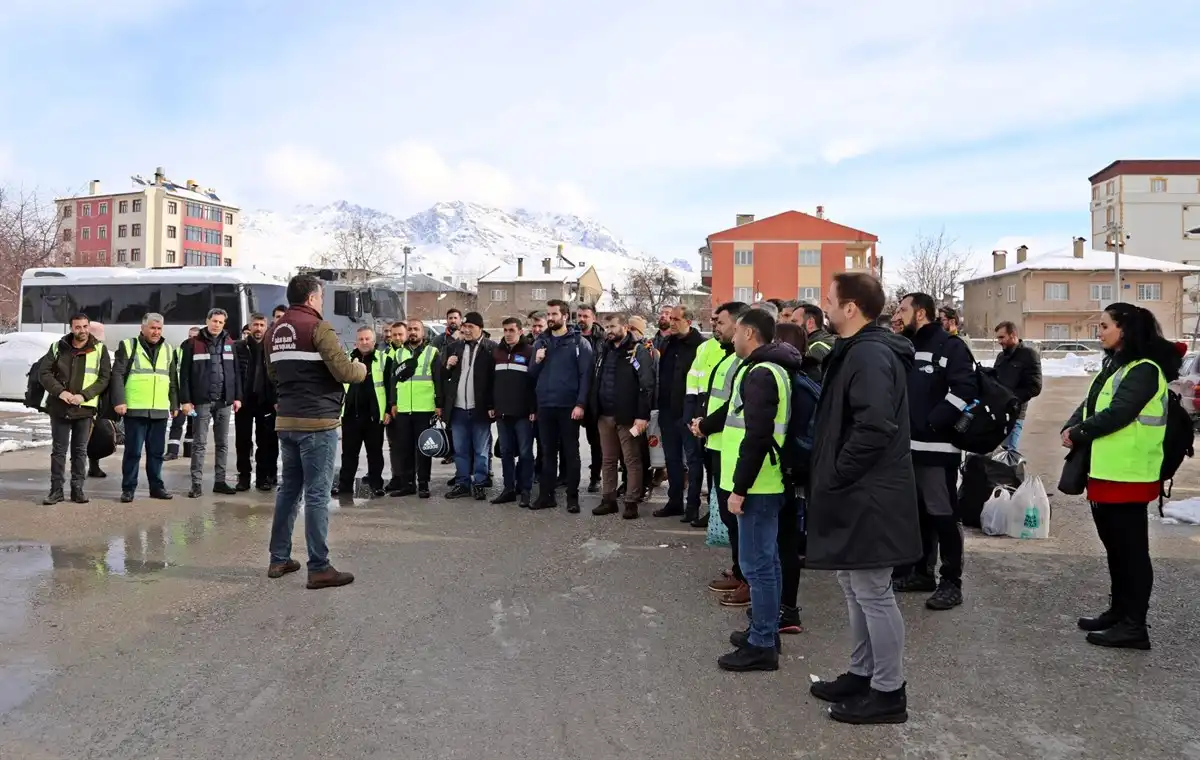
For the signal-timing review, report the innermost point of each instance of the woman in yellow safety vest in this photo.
(1121, 428)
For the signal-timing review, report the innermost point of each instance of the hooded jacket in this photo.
(862, 495)
(63, 370)
(564, 377)
(760, 401)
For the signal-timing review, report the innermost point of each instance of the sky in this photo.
(662, 119)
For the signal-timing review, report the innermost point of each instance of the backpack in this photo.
(802, 424)
(1177, 444)
(35, 394)
(994, 415)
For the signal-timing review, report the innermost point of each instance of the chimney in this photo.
(1022, 252)
(191, 185)
(94, 187)
(820, 212)
(159, 175)
(1077, 247)
(520, 267)
(744, 219)
(998, 260)
(546, 265)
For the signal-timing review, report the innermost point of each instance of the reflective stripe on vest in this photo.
(1133, 454)
(148, 384)
(770, 476)
(376, 381)
(697, 374)
(416, 394)
(91, 371)
(722, 386)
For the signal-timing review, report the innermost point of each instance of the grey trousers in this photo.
(69, 438)
(218, 417)
(876, 625)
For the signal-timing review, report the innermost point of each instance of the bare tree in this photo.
(646, 290)
(362, 248)
(29, 237)
(936, 265)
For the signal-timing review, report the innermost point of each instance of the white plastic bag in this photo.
(654, 439)
(994, 518)
(1029, 511)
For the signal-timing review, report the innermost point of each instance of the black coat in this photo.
(1020, 370)
(941, 383)
(862, 496)
(258, 392)
(633, 379)
(678, 352)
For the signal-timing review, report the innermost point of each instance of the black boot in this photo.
(749, 658)
(1126, 634)
(243, 483)
(873, 708)
(573, 502)
(423, 491)
(94, 471)
(524, 502)
(507, 496)
(545, 500)
(458, 492)
(741, 639)
(605, 507)
(55, 496)
(844, 687)
(77, 495)
(594, 485)
(1101, 622)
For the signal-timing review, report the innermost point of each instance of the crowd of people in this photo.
(827, 435)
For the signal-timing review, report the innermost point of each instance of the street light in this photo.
(407, 250)
(1118, 238)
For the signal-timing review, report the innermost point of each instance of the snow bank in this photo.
(1182, 511)
(15, 406)
(1071, 365)
(10, 445)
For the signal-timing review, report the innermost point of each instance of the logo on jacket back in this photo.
(283, 337)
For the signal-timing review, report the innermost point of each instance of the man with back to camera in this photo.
(562, 370)
(1018, 367)
(255, 441)
(464, 398)
(862, 506)
(594, 334)
(209, 385)
(308, 365)
(941, 384)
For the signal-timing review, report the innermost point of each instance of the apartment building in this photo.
(525, 286)
(1059, 295)
(789, 255)
(157, 223)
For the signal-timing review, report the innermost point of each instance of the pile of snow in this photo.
(1071, 365)
(7, 445)
(1182, 511)
(15, 406)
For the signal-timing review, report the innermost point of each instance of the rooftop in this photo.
(141, 184)
(1063, 259)
(792, 225)
(1159, 166)
(532, 269)
(419, 282)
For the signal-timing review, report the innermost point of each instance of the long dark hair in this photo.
(786, 332)
(1142, 338)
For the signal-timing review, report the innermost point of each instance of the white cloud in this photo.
(300, 172)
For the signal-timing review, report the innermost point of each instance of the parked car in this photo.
(1188, 386)
(18, 352)
(1072, 347)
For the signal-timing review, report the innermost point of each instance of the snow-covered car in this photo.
(1188, 385)
(18, 351)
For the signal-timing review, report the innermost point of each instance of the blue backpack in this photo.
(802, 424)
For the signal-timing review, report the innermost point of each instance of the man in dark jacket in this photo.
(183, 425)
(593, 333)
(562, 369)
(820, 341)
(209, 385)
(254, 422)
(74, 373)
(862, 505)
(680, 447)
(365, 412)
(619, 401)
(464, 397)
(513, 403)
(1018, 367)
(941, 385)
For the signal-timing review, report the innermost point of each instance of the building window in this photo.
(499, 294)
(229, 241)
(66, 212)
(122, 230)
(1095, 192)
(102, 232)
(811, 295)
(706, 263)
(1110, 187)
(1101, 292)
(66, 236)
(87, 209)
(170, 256)
(193, 210)
(810, 258)
(228, 262)
(1157, 185)
(171, 231)
(135, 254)
(228, 218)
(743, 258)
(212, 237)
(121, 255)
(137, 205)
(194, 258)
(136, 230)
(1058, 332)
(103, 209)
(1056, 291)
(745, 295)
(539, 294)
(989, 295)
(86, 233)
(172, 207)
(1094, 330)
(123, 207)
(849, 262)
(1149, 291)
(100, 256)
(1110, 215)
(1012, 293)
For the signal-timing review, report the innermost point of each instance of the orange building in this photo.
(791, 255)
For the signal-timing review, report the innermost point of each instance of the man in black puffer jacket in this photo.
(209, 385)
(680, 447)
(255, 421)
(1017, 367)
(941, 385)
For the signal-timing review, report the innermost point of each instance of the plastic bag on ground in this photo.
(1029, 511)
(995, 515)
(981, 475)
(718, 534)
(653, 434)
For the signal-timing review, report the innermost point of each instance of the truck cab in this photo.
(350, 305)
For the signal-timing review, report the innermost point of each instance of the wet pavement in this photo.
(149, 630)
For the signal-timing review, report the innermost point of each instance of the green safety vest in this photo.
(708, 354)
(377, 381)
(91, 371)
(1133, 454)
(416, 393)
(148, 384)
(770, 475)
(722, 386)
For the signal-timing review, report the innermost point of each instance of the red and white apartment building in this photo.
(158, 223)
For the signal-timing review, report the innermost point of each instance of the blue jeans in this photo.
(151, 435)
(472, 445)
(680, 447)
(758, 558)
(309, 460)
(516, 452)
(1014, 437)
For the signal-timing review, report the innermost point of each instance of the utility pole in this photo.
(407, 250)
(1118, 238)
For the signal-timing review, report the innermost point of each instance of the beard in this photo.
(910, 330)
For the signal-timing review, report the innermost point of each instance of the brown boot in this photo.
(725, 584)
(605, 507)
(280, 569)
(329, 578)
(631, 510)
(739, 597)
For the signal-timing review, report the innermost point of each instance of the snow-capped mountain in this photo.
(456, 239)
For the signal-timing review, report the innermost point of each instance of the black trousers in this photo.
(941, 530)
(411, 467)
(1124, 530)
(69, 437)
(789, 547)
(727, 517)
(357, 435)
(254, 438)
(559, 440)
(591, 429)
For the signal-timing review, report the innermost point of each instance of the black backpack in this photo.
(35, 394)
(994, 415)
(796, 452)
(1178, 444)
